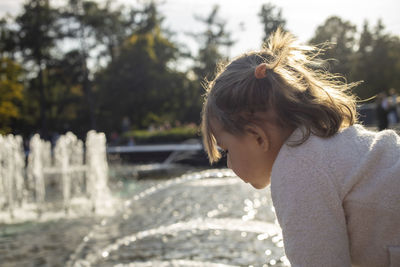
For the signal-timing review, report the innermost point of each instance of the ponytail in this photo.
(284, 77)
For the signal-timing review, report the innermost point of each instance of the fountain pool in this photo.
(202, 218)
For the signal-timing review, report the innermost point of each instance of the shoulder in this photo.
(302, 168)
(317, 159)
(333, 162)
(344, 143)
(313, 150)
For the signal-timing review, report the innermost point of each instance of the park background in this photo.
(127, 67)
(134, 70)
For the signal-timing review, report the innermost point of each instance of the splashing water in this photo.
(77, 178)
(207, 218)
(12, 162)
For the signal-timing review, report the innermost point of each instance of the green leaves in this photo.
(341, 35)
(10, 93)
(211, 40)
(371, 55)
(88, 64)
(271, 18)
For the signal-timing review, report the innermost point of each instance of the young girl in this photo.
(335, 186)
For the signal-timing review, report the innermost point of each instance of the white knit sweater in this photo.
(337, 199)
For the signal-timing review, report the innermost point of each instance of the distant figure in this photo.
(126, 124)
(335, 185)
(382, 111)
(393, 116)
(151, 127)
(114, 138)
(131, 141)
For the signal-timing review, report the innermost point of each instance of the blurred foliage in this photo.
(211, 40)
(372, 56)
(140, 75)
(339, 38)
(173, 135)
(376, 62)
(86, 65)
(38, 32)
(271, 19)
(10, 93)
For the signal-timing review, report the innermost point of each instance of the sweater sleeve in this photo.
(311, 215)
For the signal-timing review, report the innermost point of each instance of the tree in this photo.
(361, 65)
(138, 83)
(66, 78)
(10, 93)
(376, 61)
(98, 28)
(271, 18)
(341, 35)
(374, 57)
(38, 31)
(8, 39)
(211, 40)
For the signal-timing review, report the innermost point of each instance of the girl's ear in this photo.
(261, 138)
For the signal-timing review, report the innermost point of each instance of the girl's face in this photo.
(251, 155)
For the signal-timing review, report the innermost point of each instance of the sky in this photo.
(302, 17)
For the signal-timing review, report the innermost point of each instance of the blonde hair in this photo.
(296, 87)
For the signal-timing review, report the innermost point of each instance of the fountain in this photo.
(67, 167)
(38, 158)
(97, 170)
(207, 218)
(12, 162)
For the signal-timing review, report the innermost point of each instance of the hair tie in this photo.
(261, 71)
